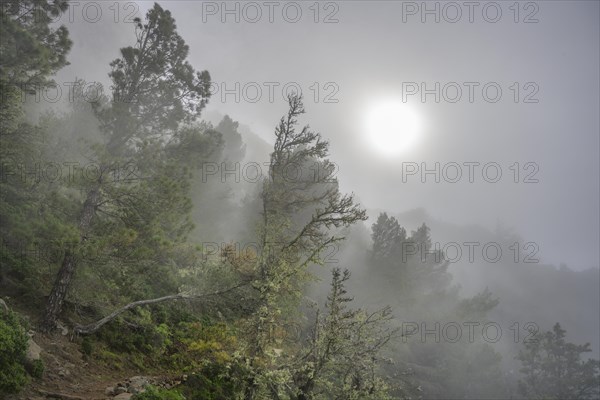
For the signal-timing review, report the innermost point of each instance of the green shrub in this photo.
(36, 369)
(213, 382)
(13, 347)
(110, 359)
(86, 346)
(144, 338)
(153, 393)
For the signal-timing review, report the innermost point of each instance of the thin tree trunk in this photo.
(69, 264)
(59, 292)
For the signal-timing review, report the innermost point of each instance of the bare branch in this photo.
(91, 328)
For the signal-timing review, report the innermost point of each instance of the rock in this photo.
(109, 391)
(63, 329)
(119, 389)
(33, 350)
(3, 307)
(137, 384)
(123, 396)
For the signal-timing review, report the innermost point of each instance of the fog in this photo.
(369, 53)
(503, 166)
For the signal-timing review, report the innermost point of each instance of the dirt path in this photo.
(69, 375)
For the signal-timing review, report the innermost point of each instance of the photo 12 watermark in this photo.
(471, 252)
(253, 12)
(272, 91)
(91, 12)
(272, 250)
(452, 12)
(38, 171)
(490, 92)
(472, 331)
(470, 172)
(251, 92)
(256, 172)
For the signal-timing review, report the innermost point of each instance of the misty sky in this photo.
(371, 54)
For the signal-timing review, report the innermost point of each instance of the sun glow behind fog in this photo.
(392, 127)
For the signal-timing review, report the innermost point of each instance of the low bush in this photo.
(153, 393)
(13, 348)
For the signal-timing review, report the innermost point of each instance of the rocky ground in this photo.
(70, 375)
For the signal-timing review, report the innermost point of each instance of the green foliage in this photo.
(110, 359)
(407, 261)
(143, 337)
(212, 382)
(197, 345)
(155, 89)
(36, 369)
(412, 276)
(553, 368)
(235, 148)
(131, 230)
(31, 48)
(136, 243)
(153, 393)
(344, 346)
(477, 306)
(26, 212)
(301, 217)
(13, 346)
(164, 338)
(87, 347)
(339, 359)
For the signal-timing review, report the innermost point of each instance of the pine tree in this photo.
(554, 369)
(302, 214)
(342, 356)
(288, 246)
(155, 92)
(31, 49)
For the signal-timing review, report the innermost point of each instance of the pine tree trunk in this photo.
(69, 264)
(59, 292)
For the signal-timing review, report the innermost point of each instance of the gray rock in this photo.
(119, 389)
(138, 383)
(33, 350)
(123, 396)
(3, 307)
(63, 329)
(109, 391)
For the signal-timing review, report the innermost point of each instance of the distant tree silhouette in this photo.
(553, 369)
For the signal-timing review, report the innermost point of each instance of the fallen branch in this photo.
(93, 327)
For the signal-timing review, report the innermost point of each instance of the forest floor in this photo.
(67, 374)
(71, 375)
